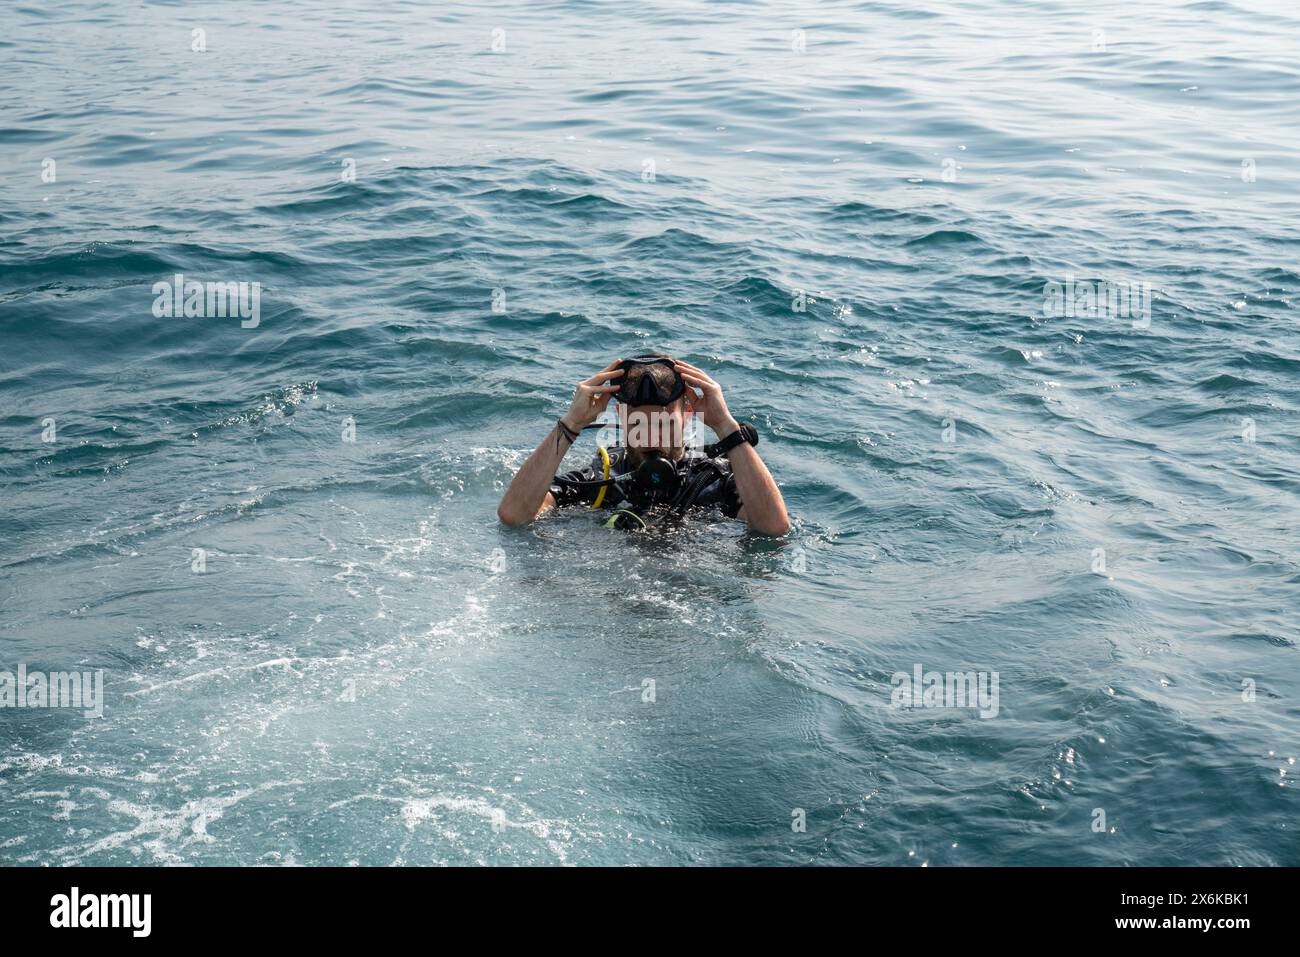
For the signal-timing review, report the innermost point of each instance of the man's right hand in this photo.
(591, 396)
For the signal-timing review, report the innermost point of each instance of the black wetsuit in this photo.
(719, 491)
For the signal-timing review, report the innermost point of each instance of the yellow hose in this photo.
(604, 458)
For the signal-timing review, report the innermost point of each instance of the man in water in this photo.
(651, 471)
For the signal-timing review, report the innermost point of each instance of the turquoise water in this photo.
(847, 213)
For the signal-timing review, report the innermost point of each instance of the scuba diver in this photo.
(650, 476)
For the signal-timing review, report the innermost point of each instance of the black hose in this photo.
(691, 491)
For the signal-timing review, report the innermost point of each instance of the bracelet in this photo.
(565, 431)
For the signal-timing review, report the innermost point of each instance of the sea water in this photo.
(1009, 291)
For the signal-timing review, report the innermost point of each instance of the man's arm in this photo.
(763, 508)
(529, 494)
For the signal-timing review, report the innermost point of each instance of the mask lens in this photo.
(646, 390)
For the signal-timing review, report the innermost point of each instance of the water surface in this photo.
(847, 213)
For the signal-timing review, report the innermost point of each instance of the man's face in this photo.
(659, 428)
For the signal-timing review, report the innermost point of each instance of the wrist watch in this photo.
(746, 433)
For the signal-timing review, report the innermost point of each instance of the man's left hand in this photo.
(711, 406)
